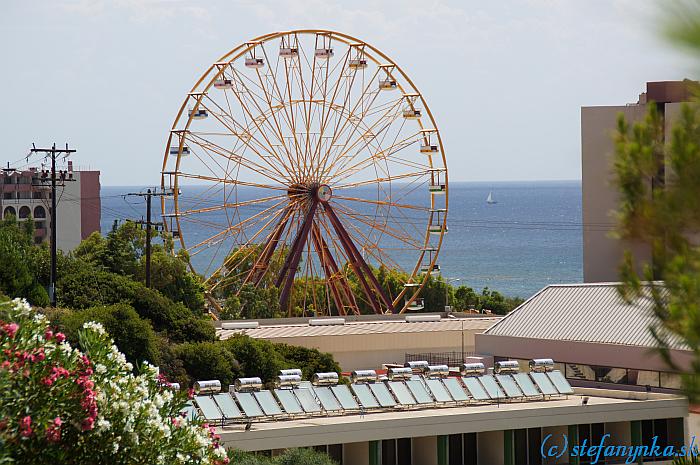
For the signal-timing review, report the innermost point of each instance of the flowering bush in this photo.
(62, 405)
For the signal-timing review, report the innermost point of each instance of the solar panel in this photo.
(383, 395)
(248, 404)
(543, 383)
(189, 411)
(475, 388)
(227, 406)
(307, 400)
(455, 390)
(344, 396)
(364, 395)
(268, 403)
(328, 400)
(401, 393)
(508, 384)
(208, 407)
(562, 385)
(419, 392)
(491, 386)
(438, 390)
(288, 401)
(305, 385)
(526, 384)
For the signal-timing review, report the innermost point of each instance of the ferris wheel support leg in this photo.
(257, 272)
(322, 254)
(365, 273)
(292, 262)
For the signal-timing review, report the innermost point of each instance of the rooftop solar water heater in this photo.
(438, 390)
(189, 410)
(543, 383)
(227, 406)
(509, 386)
(491, 386)
(401, 392)
(526, 385)
(364, 395)
(455, 389)
(307, 400)
(560, 382)
(420, 393)
(345, 397)
(382, 394)
(327, 399)
(289, 402)
(268, 403)
(475, 388)
(248, 404)
(208, 407)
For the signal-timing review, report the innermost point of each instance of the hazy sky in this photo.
(504, 79)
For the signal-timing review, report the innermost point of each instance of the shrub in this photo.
(133, 335)
(208, 360)
(59, 404)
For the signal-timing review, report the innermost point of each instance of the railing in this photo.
(451, 359)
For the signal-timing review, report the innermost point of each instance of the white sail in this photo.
(489, 199)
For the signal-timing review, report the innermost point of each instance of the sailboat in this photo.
(489, 199)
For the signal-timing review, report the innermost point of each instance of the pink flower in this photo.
(25, 426)
(10, 329)
(88, 424)
(5, 364)
(60, 337)
(48, 381)
(57, 421)
(48, 334)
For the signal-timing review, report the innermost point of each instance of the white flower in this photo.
(103, 425)
(115, 447)
(94, 326)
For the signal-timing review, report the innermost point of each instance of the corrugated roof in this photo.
(371, 327)
(585, 313)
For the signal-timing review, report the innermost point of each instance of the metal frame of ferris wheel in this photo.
(297, 167)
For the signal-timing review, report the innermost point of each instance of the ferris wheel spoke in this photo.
(231, 181)
(383, 203)
(369, 246)
(250, 220)
(379, 180)
(226, 206)
(399, 235)
(211, 147)
(340, 276)
(257, 121)
(338, 130)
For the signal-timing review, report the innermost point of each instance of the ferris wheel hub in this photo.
(324, 193)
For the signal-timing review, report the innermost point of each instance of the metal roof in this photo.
(594, 313)
(369, 327)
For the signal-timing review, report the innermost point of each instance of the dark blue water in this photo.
(530, 238)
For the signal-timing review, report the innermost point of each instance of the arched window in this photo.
(24, 211)
(9, 211)
(39, 212)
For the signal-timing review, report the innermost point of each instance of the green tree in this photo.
(17, 277)
(666, 218)
(208, 360)
(132, 335)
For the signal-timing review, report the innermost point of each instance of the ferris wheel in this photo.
(307, 162)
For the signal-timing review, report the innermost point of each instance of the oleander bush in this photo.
(66, 405)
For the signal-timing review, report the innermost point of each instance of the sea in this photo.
(529, 238)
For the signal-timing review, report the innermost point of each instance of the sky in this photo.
(505, 80)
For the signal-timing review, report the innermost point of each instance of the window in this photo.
(39, 212)
(462, 449)
(24, 211)
(527, 444)
(670, 380)
(9, 211)
(592, 434)
(334, 451)
(389, 452)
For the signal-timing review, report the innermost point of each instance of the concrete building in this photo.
(497, 434)
(602, 253)
(595, 337)
(366, 341)
(27, 193)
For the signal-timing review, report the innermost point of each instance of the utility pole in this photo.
(148, 195)
(53, 153)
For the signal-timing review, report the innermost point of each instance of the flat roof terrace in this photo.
(603, 405)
